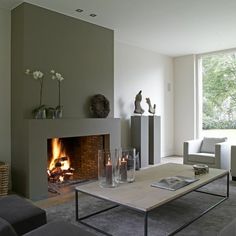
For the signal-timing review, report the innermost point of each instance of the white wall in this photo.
(184, 101)
(139, 69)
(5, 41)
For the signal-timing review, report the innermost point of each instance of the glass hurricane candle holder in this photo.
(127, 165)
(108, 168)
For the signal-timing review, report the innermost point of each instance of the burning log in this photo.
(60, 172)
(59, 167)
(56, 171)
(58, 164)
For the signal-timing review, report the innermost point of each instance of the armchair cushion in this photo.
(208, 144)
(202, 158)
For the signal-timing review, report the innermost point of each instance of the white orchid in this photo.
(27, 71)
(37, 75)
(57, 76)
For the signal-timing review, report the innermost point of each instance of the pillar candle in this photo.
(123, 170)
(109, 172)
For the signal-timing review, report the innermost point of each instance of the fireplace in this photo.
(29, 165)
(73, 160)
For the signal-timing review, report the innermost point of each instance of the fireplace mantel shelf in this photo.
(71, 127)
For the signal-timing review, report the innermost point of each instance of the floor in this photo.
(62, 198)
(173, 159)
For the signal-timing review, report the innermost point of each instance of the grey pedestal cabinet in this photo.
(146, 138)
(154, 139)
(139, 138)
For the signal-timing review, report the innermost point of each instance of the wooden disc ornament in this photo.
(100, 106)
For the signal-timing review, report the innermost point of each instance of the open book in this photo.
(173, 183)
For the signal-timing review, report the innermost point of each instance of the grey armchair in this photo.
(214, 152)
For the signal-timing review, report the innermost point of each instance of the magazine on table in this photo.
(174, 182)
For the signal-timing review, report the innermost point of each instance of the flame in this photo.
(58, 152)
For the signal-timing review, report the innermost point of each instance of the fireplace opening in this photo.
(73, 160)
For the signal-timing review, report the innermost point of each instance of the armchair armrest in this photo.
(192, 146)
(222, 155)
(233, 160)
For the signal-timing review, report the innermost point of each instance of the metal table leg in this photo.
(146, 224)
(76, 206)
(80, 219)
(228, 185)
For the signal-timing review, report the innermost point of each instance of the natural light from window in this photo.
(218, 73)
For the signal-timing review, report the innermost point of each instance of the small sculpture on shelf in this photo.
(151, 109)
(138, 109)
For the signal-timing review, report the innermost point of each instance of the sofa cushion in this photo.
(21, 214)
(206, 158)
(6, 229)
(208, 144)
(59, 228)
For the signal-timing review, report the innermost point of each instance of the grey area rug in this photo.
(163, 220)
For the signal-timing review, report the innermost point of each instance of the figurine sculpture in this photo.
(151, 109)
(138, 109)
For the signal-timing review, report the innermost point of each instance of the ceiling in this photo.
(170, 27)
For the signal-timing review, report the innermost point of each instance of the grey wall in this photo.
(80, 51)
(5, 82)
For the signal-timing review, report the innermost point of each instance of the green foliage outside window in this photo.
(219, 91)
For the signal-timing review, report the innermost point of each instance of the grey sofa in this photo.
(55, 228)
(6, 229)
(59, 228)
(21, 214)
(19, 217)
(214, 152)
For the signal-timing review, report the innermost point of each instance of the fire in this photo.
(59, 169)
(58, 155)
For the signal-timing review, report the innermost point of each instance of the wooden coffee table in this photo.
(140, 196)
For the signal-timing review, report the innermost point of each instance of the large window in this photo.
(218, 73)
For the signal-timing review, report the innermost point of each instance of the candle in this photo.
(109, 171)
(123, 170)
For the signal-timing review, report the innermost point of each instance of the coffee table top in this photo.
(139, 195)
